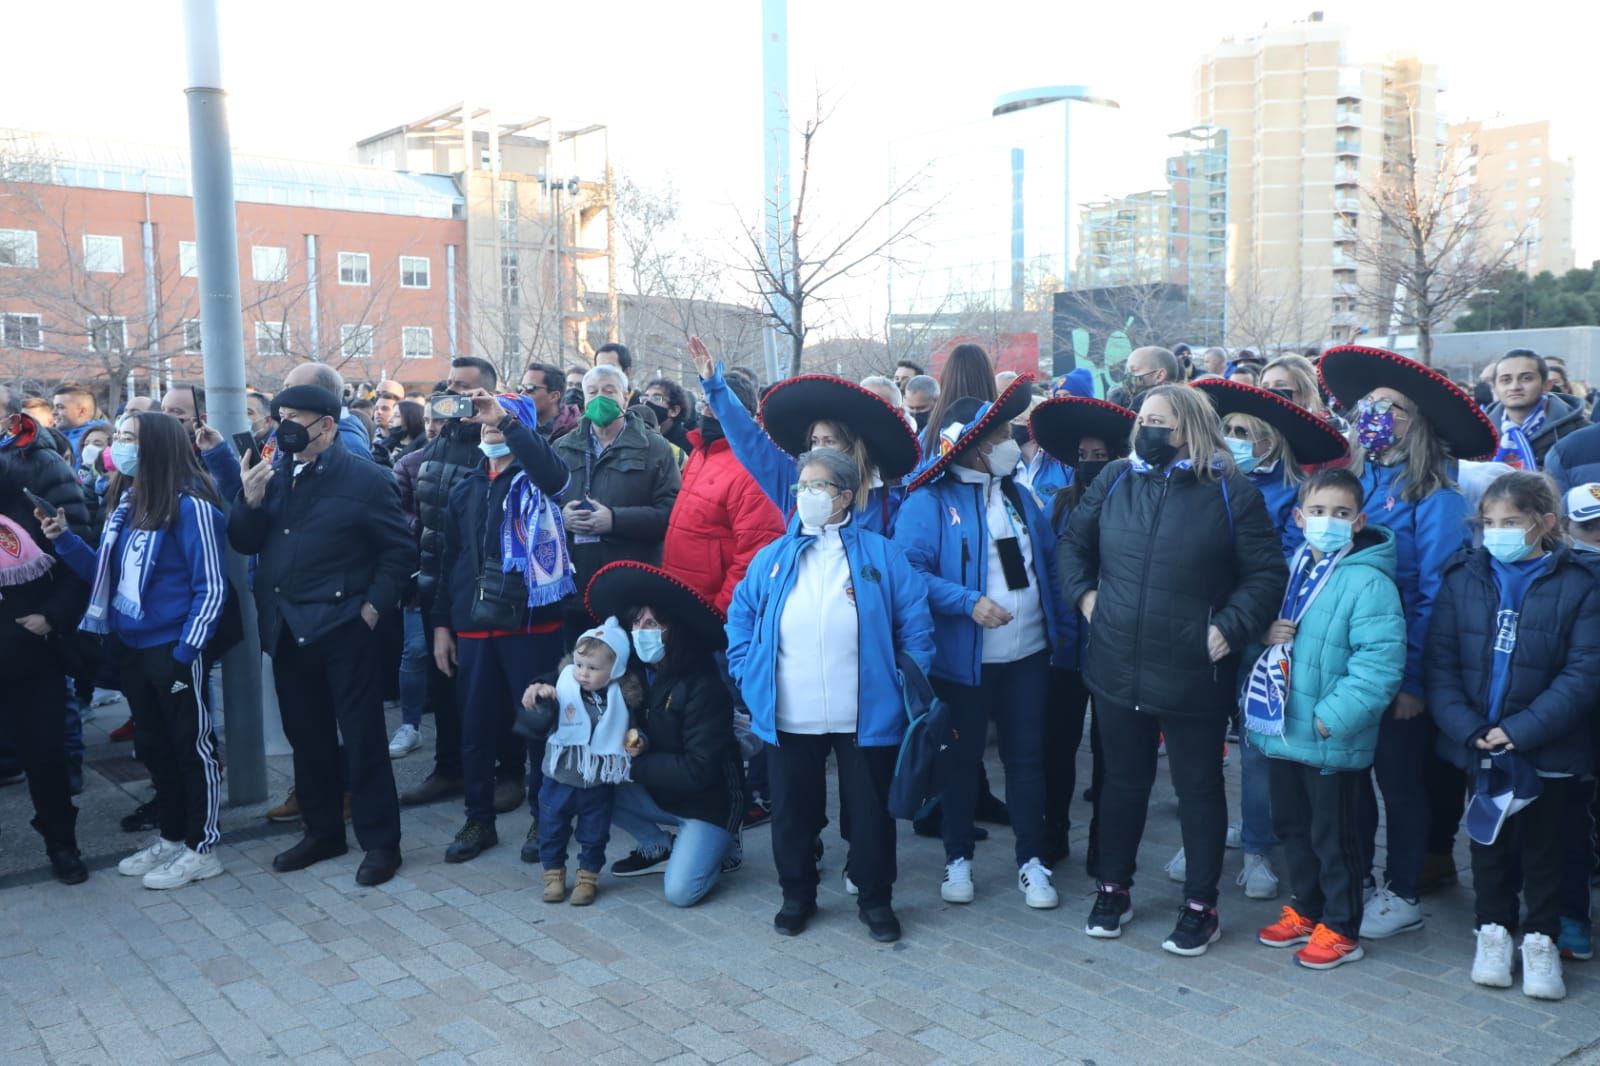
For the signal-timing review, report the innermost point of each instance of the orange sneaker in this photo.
(1327, 950)
(1291, 929)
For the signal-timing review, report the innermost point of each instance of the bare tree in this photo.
(1263, 317)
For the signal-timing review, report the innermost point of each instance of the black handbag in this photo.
(496, 606)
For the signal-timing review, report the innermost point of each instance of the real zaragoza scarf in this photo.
(533, 540)
(1516, 439)
(1266, 694)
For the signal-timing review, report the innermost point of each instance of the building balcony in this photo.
(1347, 117)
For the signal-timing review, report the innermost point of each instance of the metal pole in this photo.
(775, 188)
(1017, 272)
(222, 345)
(1066, 192)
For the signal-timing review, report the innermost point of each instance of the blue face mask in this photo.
(494, 451)
(649, 644)
(1507, 545)
(1584, 546)
(125, 457)
(1328, 534)
(1244, 454)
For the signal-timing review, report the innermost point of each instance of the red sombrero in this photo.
(1059, 424)
(1310, 439)
(620, 586)
(972, 419)
(793, 405)
(1351, 371)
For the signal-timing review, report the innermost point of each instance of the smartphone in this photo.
(50, 510)
(448, 405)
(246, 444)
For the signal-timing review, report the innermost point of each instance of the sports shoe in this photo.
(850, 888)
(1257, 878)
(957, 886)
(158, 853)
(793, 916)
(1177, 867)
(1387, 914)
(1235, 837)
(66, 864)
(473, 840)
(287, 811)
(641, 861)
(122, 734)
(758, 813)
(1197, 929)
(881, 923)
(1541, 968)
(530, 843)
(186, 866)
(406, 740)
(1576, 940)
(1290, 929)
(1491, 965)
(1034, 881)
(1113, 909)
(1327, 950)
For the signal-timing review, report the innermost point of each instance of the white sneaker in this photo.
(159, 853)
(1387, 914)
(850, 888)
(1235, 837)
(1541, 968)
(406, 740)
(957, 887)
(1177, 867)
(1492, 964)
(1258, 878)
(182, 868)
(1034, 881)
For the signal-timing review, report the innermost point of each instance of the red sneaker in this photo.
(1291, 929)
(123, 733)
(1327, 950)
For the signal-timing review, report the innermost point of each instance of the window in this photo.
(1534, 142)
(21, 331)
(414, 272)
(191, 334)
(1511, 164)
(108, 333)
(188, 259)
(102, 255)
(353, 268)
(1511, 183)
(272, 338)
(356, 342)
(1511, 146)
(1536, 161)
(269, 264)
(1534, 183)
(417, 342)
(1533, 201)
(19, 248)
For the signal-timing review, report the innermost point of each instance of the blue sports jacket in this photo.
(1280, 500)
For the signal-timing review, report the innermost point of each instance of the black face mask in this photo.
(1021, 435)
(294, 438)
(921, 418)
(1086, 471)
(1154, 445)
(1287, 394)
(710, 431)
(663, 416)
(573, 398)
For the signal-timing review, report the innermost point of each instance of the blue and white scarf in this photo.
(135, 567)
(533, 541)
(1266, 694)
(1516, 438)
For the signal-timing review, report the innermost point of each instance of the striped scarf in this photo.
(533, 541)
(1516, 439)
(1266, 693)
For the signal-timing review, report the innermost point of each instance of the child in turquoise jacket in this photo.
(1334, 661)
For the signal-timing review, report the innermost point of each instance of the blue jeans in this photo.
(697, 853)
(414, 668)
(491, 673)
(1400, 765)
(1255, 799)
(566, 811)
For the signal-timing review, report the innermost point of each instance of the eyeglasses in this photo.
(1238, 433)
(819, 484)
(1382, 407)
(529, 390)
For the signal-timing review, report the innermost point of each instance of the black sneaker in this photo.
(67, 865)
(991, 809)
(144, 817)
(1113, 909)
(471, 842)
(1197, 929)
(881, 923)
(530, 844)
(758, 813)
(642, 861)
(792, 917)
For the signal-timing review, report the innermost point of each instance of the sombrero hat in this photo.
(619, 586)
(1351, 371)
(968, 421)
(793, 405)
(1059, 424)
(1312, 439)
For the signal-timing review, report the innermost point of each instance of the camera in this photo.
(445, 405)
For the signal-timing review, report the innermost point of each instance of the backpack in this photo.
(926, 751)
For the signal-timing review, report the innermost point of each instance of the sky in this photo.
(907, 87)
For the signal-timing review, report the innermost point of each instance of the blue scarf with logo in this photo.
(1266, 693)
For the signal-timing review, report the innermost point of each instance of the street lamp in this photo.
(1049, 94)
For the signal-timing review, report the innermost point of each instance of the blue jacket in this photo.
(943, 530)
(1575, 460)
(1426, 535)
(892, 606)
(1068, 641)
(774, 469)
(1349, 656)
(1280, 500)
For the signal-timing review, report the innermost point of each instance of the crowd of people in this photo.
(668, 610)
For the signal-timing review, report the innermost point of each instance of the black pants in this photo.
(173, 716)
(31, 718)
(1447, 802)
(391, 636)
(797, 775)
(327, 689)
(1194, 757)
(446, 717)
(1317, 819)
(1063, 733)
(1535, 831)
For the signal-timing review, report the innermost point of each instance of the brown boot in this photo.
(288, 810)
(587, 889)
(555, 885)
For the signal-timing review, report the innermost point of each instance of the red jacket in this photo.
(721, 519)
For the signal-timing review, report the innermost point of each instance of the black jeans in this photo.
(1535, 832)
(1194, 756)
(327, 689)
(1317, 819)
(1063, 733)
(173, 716)
(797, 774)
(1400, 765)
(31, 718)
(491, 674)
(446, 718)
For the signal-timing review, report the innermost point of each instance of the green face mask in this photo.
(602, 411)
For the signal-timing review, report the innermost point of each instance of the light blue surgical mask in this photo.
(649, 644)
(1507, 545)
(125, 457)
(1585, 546)
(1328, 534)
(1244, 454)
(494, 451)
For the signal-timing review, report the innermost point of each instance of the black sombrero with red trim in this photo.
(621, 586)
(1352, 371)
(975, 419)
(792, 406)
(1059, 424)
(1310, 438)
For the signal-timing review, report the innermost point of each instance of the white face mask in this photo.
(1004, 457)
(815, 507)
(91, 452)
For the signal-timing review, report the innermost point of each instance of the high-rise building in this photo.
(1124, 241)
(1526, 188)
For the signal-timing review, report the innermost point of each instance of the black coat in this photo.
(690, 763)
(448, 458)
(38, 467)
(1555, 667)
(59, 595)
(1170, 557)
(328, 542)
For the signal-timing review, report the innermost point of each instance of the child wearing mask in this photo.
(1513, 660)
(1577, 934)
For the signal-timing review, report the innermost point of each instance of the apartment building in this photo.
(1526, 188)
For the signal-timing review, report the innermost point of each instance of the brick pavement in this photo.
(452, 964)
